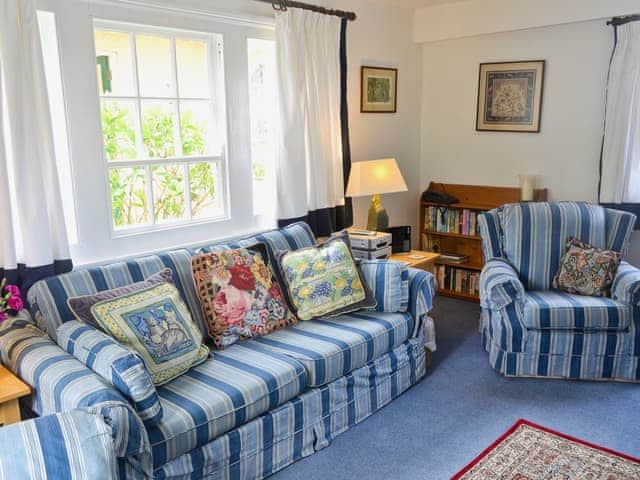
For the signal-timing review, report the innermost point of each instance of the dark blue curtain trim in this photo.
(626, 207)
(344, 124)
(323, 222)
(24, 276)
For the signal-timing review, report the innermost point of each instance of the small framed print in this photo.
(510, 96)
(378, 90)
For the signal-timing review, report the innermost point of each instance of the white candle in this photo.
(527, 187)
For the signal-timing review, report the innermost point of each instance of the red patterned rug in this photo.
(530, 452)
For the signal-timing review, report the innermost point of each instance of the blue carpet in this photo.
(462, 406)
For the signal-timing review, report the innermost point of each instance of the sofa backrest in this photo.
(47, 299)
(534, 236)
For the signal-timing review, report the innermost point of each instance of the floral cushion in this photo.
(155, 323)
(586, 270)
(239, 295)
(324, 281)
(81, 306)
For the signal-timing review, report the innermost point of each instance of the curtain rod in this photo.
(616, 21)
(282, 6)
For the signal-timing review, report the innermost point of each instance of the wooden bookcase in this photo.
(475, 198)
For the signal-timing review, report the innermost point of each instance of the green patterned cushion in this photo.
(324, 281)
(156, 324)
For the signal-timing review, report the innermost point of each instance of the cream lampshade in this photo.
(375, 177)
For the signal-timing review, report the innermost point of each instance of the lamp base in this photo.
(377, 220)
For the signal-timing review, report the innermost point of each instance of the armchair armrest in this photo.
(60, 383)
(626, 285)
(500, 285)
(422, 289)
(116, 364)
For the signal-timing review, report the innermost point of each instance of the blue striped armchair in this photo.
(528, 328)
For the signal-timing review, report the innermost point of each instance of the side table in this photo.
(11, 390)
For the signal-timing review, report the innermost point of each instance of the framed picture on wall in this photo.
(510, 96)
(378, 90)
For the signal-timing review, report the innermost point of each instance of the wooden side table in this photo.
(417, 259)
(11, 389)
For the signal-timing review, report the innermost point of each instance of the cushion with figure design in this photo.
(155, 323)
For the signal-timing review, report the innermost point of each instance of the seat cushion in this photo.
(557, 310)
(534, 236)
(237, 385)
(331, 348)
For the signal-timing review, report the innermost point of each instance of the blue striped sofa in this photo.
(528, 328)
(253, 408)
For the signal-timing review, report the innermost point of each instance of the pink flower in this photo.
(14, 290)
(3, 316)
(231, 304)
(15, 302)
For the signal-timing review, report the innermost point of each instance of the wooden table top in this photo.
(11, 387)
(426, 257)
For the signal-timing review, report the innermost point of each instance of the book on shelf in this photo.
(453, 257)
(458, 280)
(462, 221)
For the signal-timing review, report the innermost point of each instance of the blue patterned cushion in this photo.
(535, 235)
(157, 325)
(565, 311)
(242, 382)
(75, 445)
(331, 348)
(389, 282)
(47, 298)
(116, 364)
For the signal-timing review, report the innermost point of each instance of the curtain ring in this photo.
(280, 6)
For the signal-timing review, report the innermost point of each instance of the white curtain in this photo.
(310, 163)
(620, 180)
(33, 238)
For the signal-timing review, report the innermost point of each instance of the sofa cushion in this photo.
(241, 383)
(557, 310)
(389, 281)
(534, 236)
(331, 348)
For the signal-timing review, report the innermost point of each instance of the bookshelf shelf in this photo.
(460, 280)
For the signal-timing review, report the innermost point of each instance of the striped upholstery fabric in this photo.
(619, 229)
(491, 233)
(422, 290)
(389, 281)
(114, 363)
(75, 445)
(304, 425)
(563, 311)
(534, 236)
(47, 298)
(241, 383)
(539, 332)
(331, 348)
(626, 285)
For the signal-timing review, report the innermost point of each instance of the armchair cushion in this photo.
(535, 235)
(500, 285)
(557, 310)
(114, 363)
(74, 445)
(626, 285)
(389, 282)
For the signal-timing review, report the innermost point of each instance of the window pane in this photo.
(203, 189)
(118, 129)
(168, 192)
(193, 70)
(262, 104)
(128, 196)
(154, 66)
(158, 129)
(195, 121)
(114, 63)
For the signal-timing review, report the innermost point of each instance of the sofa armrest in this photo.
(422, 289)
(389, 282)
(626, 285)
(60, 383)
(114, 363)
(500, 285)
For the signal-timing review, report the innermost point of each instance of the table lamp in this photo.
(375, 177)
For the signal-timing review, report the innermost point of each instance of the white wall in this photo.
(565, 154)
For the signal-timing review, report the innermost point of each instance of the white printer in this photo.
(370, 245)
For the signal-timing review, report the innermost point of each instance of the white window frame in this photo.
(97, 241)
(216, 97)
